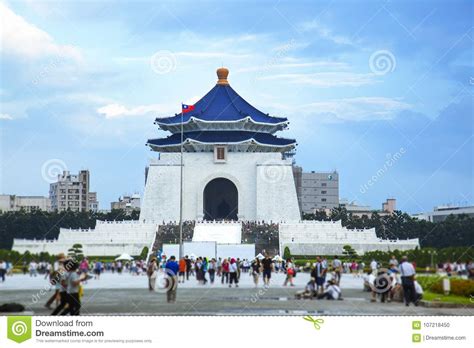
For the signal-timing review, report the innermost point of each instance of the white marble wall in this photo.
(329, 238)
(109, 238)
(264, 182)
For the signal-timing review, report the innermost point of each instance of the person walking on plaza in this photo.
(3, 270)
(256, 266)
(182, 270)
(219, 267)
(152, 272)
(211, 269)
(204, 265)
(171, 270)
(33, 269)
(73, 280)
(319, 274)
(290, 272)
(225, 271)
(267, 266)
(188, 266)
(97, 269)
(407, 272)
(55, 280)
(84, 266)
(239, 267)
(337, 267)
(61, 285)
(233, 273)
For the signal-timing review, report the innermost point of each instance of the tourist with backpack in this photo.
(290, 272)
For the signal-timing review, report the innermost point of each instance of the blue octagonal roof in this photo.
(222, 103)
(217, 137)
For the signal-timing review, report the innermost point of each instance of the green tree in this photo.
(286, 253)
(348, 251)
(144, 253)
(76, 252)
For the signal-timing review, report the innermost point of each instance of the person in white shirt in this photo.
(373, 266)
(33, 269)
(332, 292)
(419, 291)
(407, 272)
(369, 285)
(233, 273)
(3, 270)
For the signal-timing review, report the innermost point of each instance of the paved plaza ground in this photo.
(124, 294)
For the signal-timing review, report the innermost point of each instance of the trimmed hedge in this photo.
(459, 286)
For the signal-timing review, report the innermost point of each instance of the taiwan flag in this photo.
(186, 108)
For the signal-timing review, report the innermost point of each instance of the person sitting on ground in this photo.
(383, 284)
(332, 292)
(309, 290)
(369, 280)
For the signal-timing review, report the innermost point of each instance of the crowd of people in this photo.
(263, 234)
(395, 281)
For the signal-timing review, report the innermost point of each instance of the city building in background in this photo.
(27, 203)
(440, 213)
(128, 203)
(93, 203)
(388, 207)
(72, 192)
(316, 190)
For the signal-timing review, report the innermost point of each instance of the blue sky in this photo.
(362, 83)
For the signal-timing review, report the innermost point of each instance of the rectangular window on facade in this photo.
(323, 184)
(220, 154)
(324, 192)
(323, 199)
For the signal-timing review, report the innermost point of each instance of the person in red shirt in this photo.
(182, 270)
(225, 271)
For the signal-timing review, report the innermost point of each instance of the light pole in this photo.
(181, 191)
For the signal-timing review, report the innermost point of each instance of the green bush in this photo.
(460, 287)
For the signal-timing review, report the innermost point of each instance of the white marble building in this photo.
(264, 183)
(234, 168)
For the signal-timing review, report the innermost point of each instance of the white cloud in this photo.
(204, 54)
(359, 108)
(296, 65)
(325, 79)
(5, 117)
(115, 110)
(325, 33)
(22, 39)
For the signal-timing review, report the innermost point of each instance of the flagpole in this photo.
(181, 190)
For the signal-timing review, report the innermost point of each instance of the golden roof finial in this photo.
(222, 74)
